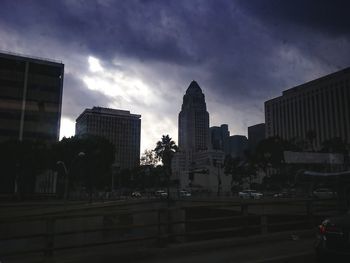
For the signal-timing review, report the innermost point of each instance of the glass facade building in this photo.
(30, 98)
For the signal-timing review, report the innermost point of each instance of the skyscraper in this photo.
(256, 134)
(30, 98)
(119, 127)
(197, 164)
(218, 136)
(194, 120)
(320, 106)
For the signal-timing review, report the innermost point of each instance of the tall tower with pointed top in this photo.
(193, 121)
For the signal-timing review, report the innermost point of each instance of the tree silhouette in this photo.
(20, 162)
(165, 150)
(149, 157)
(233, 167)
(94, 168)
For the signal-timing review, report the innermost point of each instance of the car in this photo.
(323, 193)
(184, 193)
(333, 238)
(161, 193)
(136, 194)
(277, 195)
(250, 194)
(283, 194)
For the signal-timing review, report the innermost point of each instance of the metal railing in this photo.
(165, 224)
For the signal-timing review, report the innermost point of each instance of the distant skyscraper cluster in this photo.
(30, 98)
(120, 127)
(320, 106)
(234, 145)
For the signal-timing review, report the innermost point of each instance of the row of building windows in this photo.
(122, 131)
(324, 111)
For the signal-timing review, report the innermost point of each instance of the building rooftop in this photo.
(108, 111)
(257, 125)
(193, 88)
(311, 83)
(10, 54)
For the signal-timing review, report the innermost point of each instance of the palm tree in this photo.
(165, 150)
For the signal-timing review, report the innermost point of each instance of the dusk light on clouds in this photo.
(141, 55)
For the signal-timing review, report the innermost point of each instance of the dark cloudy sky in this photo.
(142, 55)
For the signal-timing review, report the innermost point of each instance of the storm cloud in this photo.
(142, 55)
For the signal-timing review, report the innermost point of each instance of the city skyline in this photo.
(141, 55)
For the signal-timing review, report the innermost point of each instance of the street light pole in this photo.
(66, 174)
(65, 178)
(115, 168)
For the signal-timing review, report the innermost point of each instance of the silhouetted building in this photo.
(119, 127)
(236, 146)
(194, 121)
(256, 134)
(320, 106)
(196, 164)
(30, 98)
(218, 136)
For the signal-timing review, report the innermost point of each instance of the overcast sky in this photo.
(142, 55)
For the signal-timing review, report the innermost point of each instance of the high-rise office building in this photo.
(320, 106)
(256, 134)
(30, 98)
(119, 127)
(194, 120)
(218, 136)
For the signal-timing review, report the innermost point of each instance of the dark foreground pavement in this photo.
(281, 247)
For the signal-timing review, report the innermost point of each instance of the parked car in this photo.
(283, 194)
(184, 193)
(136, 194)
(333, 238)
(161, 193)
(250, 194)
(324, 193)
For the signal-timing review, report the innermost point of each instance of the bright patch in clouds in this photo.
(130, 91)
(117, 83)
(94, 64)
(67, 127)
